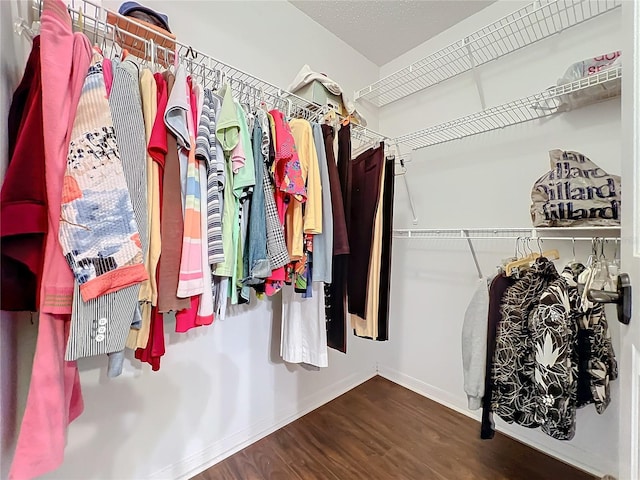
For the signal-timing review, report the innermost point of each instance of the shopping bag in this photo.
(575, 193)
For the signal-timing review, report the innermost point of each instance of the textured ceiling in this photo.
(384, 29)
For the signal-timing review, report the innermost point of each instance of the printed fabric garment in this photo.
(287, 169)
(598, 366)
(55, 395)
(101, 325)
(23, 200)
(513, 396)
(98, 230)
(553, 326)
(307, 154)
(497, 289)
(275, 281)
(303, 222)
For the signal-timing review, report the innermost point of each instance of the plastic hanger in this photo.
(21, 27)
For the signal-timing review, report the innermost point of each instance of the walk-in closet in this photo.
(320, 239)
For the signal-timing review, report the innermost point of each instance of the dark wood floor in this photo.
(380, 430)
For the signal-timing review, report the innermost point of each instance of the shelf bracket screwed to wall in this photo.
(474, 71)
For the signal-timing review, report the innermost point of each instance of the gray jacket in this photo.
(474, 343)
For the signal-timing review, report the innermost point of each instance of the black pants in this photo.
(385, 261)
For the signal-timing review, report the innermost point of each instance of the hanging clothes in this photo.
(276, 245)
(474, 343)
(374, 324)
(243, 183)
(323, 242)
(172, 218)
(102, 325)
(256, 263)
(366, 179)
(228, 134)
(54, 398)
(103, 250)
(23, 201)
(597, 362)
(553, 326)
(498, 287)
(513, 396)
(157, 148)
(207, 150)
(304, 335)
(386, 233)
(205, 314)
(337, 295)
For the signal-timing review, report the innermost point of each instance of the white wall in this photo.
(485, 181)
(222, 386)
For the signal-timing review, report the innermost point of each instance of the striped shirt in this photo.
(208, 149)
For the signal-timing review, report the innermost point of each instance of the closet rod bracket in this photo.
(406, 185)
(465, 234)
(474, 71)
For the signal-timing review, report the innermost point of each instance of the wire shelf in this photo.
(539, 105)
(510, 233)
(110, 30)
(528, 25)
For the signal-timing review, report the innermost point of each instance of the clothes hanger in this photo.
(514, 267)
(552, 254)
(21, 27)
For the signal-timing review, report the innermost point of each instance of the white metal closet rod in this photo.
(452, 237)
(470, 234)
(506, 233)
(91, 19)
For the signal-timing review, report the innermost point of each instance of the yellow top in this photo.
(303, 137)
(149, 289)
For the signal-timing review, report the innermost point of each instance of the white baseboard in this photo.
(569, 453)
(225, 447)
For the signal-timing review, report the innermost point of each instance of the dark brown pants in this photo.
(366, 171)
(336, 293)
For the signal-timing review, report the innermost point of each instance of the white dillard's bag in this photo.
(575, 193)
